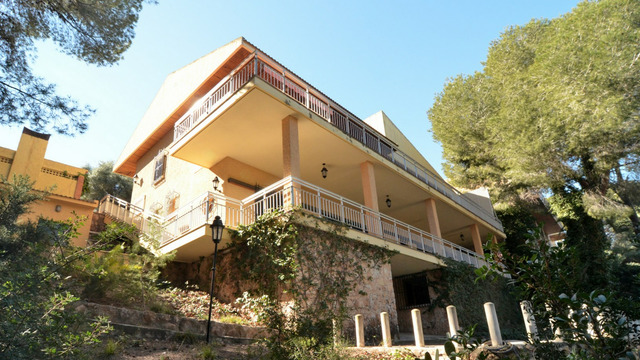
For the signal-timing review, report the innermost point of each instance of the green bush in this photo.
(35, 292)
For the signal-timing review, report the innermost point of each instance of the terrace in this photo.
(260, 66)
(185, 230)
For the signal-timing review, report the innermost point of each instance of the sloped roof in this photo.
(177, 94)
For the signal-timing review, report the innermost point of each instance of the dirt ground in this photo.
(126, 349)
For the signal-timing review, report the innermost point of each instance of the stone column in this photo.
(529, 320)
(418, 333)
(477, 241)
(492, 322)
(386, 329)
(432, 217)
(452, 316)
(359, 330)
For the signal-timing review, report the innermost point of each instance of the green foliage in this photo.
(554, 108)
(34, 294)
(518, 223)
(128, 273)
(96, 32)
(463, 344)
(102, 180)
(458, 285)
(593, 323)
(303, 276)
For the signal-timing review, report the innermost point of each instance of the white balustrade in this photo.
(261, 66)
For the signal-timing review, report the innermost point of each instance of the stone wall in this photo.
(369, 297)
(167, 324)
(434, 321)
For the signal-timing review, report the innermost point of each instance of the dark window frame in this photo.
(159, 168)
(412, 291)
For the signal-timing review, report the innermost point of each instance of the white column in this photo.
(359, 330)
(386, 329)
(417, 327)
(529, 320)
(492, 322)
(452, 316)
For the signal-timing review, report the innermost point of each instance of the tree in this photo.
(97, 32)
(102, 181)
(34, 292)
(554, 108)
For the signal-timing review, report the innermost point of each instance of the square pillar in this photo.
(372, 222)
(290, 147)
(432, 217)
(369, 186)
(477, 241)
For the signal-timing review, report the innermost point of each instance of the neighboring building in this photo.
(62, 183)
(275, 141)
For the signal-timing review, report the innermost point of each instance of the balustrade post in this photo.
(255, 64)
(284, 81)
(307, 99)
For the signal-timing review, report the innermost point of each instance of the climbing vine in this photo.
(459, 285)
(308, 268)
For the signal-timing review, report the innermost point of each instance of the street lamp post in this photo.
(216, 235)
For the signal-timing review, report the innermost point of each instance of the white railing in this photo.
(126, 212)
(261, 66)
(290, 193)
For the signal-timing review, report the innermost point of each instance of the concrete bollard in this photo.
(386, 329)
(452, 316)
(492, 322)
(359, 330)
(417, 327)
(529, 320)
(557, 332)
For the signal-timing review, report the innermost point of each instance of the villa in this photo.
(62, 184)
(236, 134)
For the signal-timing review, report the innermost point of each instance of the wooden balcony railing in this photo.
(261, 66)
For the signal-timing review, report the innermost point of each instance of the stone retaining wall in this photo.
(166, 323)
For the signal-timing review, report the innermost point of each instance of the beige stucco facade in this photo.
(62, 183)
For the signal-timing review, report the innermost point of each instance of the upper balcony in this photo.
(233, 107)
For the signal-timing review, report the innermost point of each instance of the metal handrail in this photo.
(261, 66)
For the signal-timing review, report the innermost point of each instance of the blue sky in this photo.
(366, 55)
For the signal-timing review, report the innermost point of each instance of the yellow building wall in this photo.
(189, 180)
(181, 178)
(60, 181)
(47, 209)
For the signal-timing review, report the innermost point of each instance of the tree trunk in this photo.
(635, 221)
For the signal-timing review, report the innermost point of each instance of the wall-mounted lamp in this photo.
(388, 201)
(216, 183)
(58, 208)
(137, 180)
(461, 238)
(324, 171)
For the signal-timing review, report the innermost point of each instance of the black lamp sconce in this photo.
(137, 180)
(216, 183)
(324, 171)
(388, 201)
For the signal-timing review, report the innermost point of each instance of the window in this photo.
(160, 166)
(411, 291)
